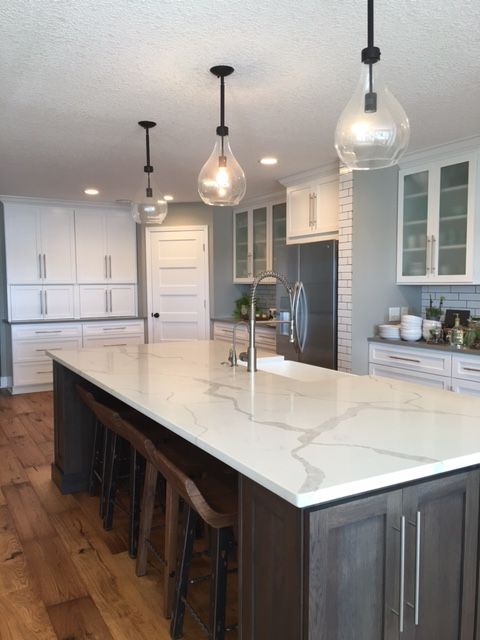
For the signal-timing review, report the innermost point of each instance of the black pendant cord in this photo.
(148, 166)
(370, 55)
(222, 108)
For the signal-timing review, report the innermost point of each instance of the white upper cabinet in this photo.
(437, 227)
(106, 246)
(258, 231)
(312, 207)
(40, 244)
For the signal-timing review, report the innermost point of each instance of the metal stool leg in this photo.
(107, 439)
(176, 626)
(218, 585)
(172, 503)
(95, 460)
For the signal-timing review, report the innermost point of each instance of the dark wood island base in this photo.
(399, 564)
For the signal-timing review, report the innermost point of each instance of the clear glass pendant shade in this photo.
(149, 211)
(221, 181)
(372, 140)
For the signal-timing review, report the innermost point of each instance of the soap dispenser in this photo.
(456, 338)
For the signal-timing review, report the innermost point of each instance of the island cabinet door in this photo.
(354, 570)
(441, 557)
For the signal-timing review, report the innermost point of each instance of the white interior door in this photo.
(178, 292)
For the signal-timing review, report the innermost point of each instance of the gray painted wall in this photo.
(374, 259)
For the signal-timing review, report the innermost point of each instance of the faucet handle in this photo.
(232, 357)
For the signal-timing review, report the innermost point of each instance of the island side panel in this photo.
(73, 432)
(271, 566)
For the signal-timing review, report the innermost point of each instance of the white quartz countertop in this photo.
(308, 434)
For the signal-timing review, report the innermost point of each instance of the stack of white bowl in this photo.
(389, 331)
(411, 327)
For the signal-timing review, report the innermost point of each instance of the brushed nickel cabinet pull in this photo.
(110, 266)
(403, 358)
(50, 331)
(106, 301)
(41, 303)
(106, 268)
(46, 305)
(111, 309)
(40, 265)
(40, 372)
(402, 575)
(120, 344)
(417, 569)
(44, 265)
(471, 369)
(113, 328)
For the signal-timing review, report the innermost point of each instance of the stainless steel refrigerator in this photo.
(315, 265)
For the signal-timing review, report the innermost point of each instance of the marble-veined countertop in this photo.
(308, 434)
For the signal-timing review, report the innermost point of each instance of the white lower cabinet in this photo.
(37, 302)
(458, 372)
(265, 337)
(32, 367)
(103, 301)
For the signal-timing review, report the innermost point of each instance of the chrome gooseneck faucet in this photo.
(252, 350)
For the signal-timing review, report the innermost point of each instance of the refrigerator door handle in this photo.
(300, 309)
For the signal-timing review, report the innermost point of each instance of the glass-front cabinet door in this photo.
(415, 224)
(435, 229)
(259, 240)
(279, 230)
(242, 254)
(453, 220)
(258, 231)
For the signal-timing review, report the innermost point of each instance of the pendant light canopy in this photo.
(221, 181)
(373, 131)
(152, 209)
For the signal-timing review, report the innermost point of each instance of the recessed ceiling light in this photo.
(91, 192)
(160, 201)
(268, 160)
(168, 198)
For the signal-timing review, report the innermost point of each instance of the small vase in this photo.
(428, 325)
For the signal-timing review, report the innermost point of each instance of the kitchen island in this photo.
(358, 495)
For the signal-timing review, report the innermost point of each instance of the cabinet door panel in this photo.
(92, 264)
(279, 230)
(58, 303)
(259, 222)
(414, 224)
(94, 301)
(354, 570)
(122, 300)
(23, 251)
(325, 214)
(242, 248)
(121, 246)
(299, 211)
(26, 302)
(446, 572)
(57, 244)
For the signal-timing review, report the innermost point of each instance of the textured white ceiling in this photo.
(77, 75)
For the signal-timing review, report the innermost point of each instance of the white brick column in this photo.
(344, 298)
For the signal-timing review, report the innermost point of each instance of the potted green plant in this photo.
(242, 306)
(434, 313)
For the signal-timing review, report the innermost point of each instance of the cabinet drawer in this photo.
(110, 328)
(112, 341)
(468, 387)
(46, 331)
(32, 373)
(223, 331)
(423, 360)
(430, 380)
(466, 367)
(28, 351)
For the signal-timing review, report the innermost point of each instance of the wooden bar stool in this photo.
(213, 499)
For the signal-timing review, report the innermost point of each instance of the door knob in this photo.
(155, 315)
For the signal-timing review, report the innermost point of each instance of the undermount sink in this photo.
(293, 369)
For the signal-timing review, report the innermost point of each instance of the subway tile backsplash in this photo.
(456, 297)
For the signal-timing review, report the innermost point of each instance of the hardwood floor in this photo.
(61, 575)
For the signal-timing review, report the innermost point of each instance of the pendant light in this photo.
(373, 131)
(152, 209)
(221, 181)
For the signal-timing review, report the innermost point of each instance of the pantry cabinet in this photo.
(312, 210)
(259, 230)
(36, 302)
(106, 246)
(99, 301)
(437, 229)
(40, 245)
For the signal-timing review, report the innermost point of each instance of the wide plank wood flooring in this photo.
(61, 575)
